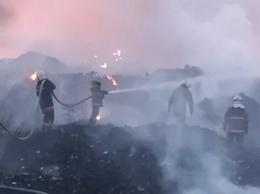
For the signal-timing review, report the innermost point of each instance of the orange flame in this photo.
(112, 79)
(33, 76)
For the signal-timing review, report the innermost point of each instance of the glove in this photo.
(105, 92)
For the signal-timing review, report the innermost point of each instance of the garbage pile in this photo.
(80, 159)
(107, 159)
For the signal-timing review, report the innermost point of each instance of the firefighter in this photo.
(236, 122)
(44, 89)
(179, 99)
(97, 97)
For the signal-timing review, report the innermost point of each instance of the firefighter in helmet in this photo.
(236, 122)
(44, 89)
(178, 101)
(97, 96)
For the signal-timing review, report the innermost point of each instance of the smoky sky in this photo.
(223, 34)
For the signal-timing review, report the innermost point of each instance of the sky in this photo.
(218, 35)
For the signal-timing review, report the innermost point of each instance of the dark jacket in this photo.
(46, 96)
(236, 121)
(97, 94)
(179, 99)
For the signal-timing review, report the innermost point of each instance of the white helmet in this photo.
(41, 75)
(186, 84)
(96, 76)
(237, 99)
(237, 102)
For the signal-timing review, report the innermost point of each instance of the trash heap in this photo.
(109, 160)
(80, 159)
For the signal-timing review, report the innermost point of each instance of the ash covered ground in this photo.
(142, 151)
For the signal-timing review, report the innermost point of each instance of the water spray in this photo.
(176, 83)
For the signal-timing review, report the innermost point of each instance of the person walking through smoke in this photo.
(236, 123)
(178, 101)
(97, 97)
(44, 89)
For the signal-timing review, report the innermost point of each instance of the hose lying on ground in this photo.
(13, 135)
(32, 130)
(8, 188)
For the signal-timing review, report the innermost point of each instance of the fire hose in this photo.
(70, 105)
(38, 110)
(15, 136)
(8, 188)
(32, 130)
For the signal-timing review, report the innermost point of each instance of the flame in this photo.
(104, 66)
(33, 76)
(117, 53)
(112, 79)
(98, 117)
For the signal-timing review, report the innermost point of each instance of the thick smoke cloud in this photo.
(151, 34)
(5, 15)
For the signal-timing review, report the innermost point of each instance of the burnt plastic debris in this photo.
(106, 159)
(80, 159)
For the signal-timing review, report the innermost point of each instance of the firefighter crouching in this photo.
(97, 97)
(236, 123)
(44, 90)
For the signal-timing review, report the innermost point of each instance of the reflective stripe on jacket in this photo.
(236, 120)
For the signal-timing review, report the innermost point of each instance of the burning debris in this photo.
(118, 55)
(114, 82)
(33, 76)
(85, 163)
(104, 66)
(98, 117)
(101, 160)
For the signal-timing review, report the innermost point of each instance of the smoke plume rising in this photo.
(150, 34)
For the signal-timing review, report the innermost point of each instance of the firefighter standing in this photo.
(44, 90)
(178, 102)
(236, 122)
(97, 97)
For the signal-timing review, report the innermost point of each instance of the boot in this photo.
(92, 121)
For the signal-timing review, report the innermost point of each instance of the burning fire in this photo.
(98, 117)
(118, 53)
(112, 79)
(104, 66)
(33, 76)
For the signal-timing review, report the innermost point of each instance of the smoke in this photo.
(150, 34)
(220, 36)
(5, 15)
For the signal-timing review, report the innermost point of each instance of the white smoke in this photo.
(221, 36)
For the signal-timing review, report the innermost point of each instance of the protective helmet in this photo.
(41, 75)
(185, 84)
(96, 76)
(237, 99)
